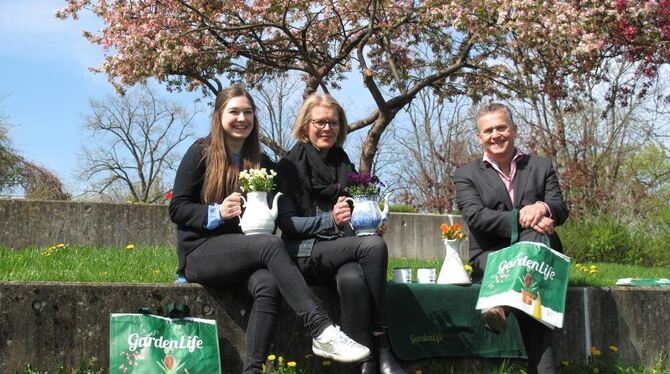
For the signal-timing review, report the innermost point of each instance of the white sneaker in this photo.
(336, 345)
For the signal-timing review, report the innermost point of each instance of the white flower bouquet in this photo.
(257, 180)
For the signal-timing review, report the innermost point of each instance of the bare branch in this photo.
(134, 139)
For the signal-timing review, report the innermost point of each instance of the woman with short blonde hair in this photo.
(315, 222)
(304, 118)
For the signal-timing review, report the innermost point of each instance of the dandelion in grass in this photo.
(291, 364)
(468, 268)
(595, 352)
(280, 360)
(271, 357)
(130, 247)
(613, 348)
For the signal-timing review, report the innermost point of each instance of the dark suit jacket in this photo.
(486, 207)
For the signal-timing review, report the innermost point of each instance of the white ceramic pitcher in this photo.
(258, 218)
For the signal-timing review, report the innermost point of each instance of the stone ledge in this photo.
(50, 324)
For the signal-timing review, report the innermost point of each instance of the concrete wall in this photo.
(25, 223)
(52, 324)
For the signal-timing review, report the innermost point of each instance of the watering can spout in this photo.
(274, 210)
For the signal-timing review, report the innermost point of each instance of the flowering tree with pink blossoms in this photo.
(400, 47)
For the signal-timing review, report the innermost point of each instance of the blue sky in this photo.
(46, 84)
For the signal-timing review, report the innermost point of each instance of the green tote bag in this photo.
(149, 344)
(528, 276)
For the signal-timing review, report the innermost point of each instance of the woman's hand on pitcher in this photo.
(341, 212)
(231, 206)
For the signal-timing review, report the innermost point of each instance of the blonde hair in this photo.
(221, 175)
(304, 118)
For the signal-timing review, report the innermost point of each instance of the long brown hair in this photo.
(221, 175)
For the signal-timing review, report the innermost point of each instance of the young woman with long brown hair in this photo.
(212, 249)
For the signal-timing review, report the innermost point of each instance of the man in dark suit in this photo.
(486, 192)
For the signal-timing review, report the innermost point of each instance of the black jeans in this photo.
(357, 266)
(263, 263)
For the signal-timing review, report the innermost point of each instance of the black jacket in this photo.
(187, 208)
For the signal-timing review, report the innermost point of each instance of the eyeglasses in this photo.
(321, 124)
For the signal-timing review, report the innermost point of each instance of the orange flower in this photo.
(452, 232)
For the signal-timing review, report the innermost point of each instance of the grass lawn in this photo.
(66, 263)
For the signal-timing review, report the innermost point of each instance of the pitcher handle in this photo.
(353, 202)
(244, 205)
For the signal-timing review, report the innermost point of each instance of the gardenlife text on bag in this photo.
(542, 268)
(191, 343)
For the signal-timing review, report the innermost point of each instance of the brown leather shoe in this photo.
(495, 320)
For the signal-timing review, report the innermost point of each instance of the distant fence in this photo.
(28, 223)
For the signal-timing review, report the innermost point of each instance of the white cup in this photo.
(402, 275)
(425, 275)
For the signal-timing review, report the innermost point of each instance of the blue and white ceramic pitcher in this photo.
(367, 217)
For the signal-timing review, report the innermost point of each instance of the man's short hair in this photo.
(492, 108)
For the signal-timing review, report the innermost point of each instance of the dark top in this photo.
(484, 201)
(187, 208)
(311, 186)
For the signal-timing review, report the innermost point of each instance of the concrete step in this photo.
(49, 324)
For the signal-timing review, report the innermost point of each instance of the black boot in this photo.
(369, 367)
(387, 363)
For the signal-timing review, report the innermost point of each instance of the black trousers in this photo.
(260, 261)
(537, 338)
(357, 267)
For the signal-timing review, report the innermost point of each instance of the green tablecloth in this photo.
(435, 320)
